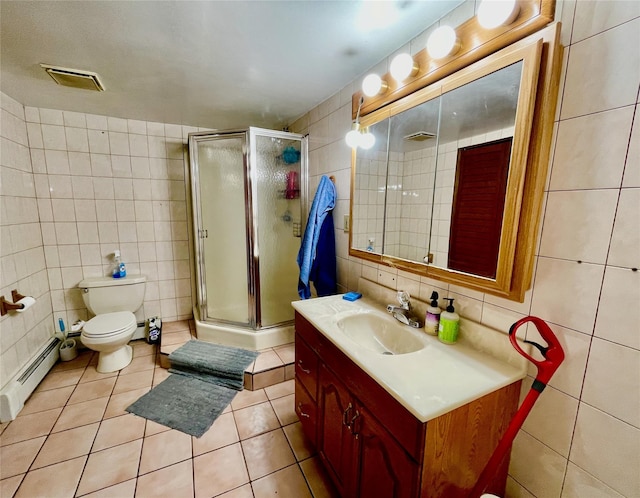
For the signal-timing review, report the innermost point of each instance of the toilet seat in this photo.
(109, 324)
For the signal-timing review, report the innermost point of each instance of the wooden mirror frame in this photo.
(515, 268)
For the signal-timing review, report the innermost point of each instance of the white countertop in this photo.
(429, 382)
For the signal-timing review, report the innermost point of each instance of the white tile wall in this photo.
(582, 439)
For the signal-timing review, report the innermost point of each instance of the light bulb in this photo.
(403, 66)
(494, 13)
(353, 137)
(373, 85)
(443, 42)
(367, 139)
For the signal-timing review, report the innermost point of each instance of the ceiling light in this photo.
(443, 42)
(75, 78)
(403, 66)
(353, 137)
(374, 85)
(494, 13)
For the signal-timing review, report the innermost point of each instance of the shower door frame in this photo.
(250, 167)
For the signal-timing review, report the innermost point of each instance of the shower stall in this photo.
(249, 210)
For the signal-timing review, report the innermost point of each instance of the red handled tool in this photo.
(553, 357)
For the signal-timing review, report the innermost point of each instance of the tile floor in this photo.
(73, 438)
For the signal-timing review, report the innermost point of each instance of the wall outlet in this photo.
(346, 222)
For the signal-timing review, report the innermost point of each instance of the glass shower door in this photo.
(278, 173)
(220, 191)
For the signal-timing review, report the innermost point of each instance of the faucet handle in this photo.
(404, 298)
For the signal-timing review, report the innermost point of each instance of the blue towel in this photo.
(323, 202)
(323, 270)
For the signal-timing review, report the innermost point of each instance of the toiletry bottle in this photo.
(449, 324)
(432, 319)
(116, 269)
(122, 269)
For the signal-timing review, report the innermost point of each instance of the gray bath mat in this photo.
(184, 403)
(209, 376)
(213, 359)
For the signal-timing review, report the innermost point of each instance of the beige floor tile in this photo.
(280, 390)
(16, 458)
(178, 337)
(154, 428)
(160, 374)
(219, 471)
(48, 481)
(81, 414)
(92, 390)
(287, 353)
(164, 449)
(54, 380)
(267, 453)
(286, 482)
(255, 419)
(133, 381)
(66, 445)
(140, 364)
(247, 398)
(119, 430)
(171, 482)
(267, 361)
(167, 349)
(9, 486)
(80, 361)
(142, 348)
(318, 480)
(125, 489)
(108, 467)
(46, 400)
(169, 327)
(268, 378)
(30, 426)
(285, 409)
(223, 432)
(241, 492)
(118, 402)
(301, 446)
(90, 374)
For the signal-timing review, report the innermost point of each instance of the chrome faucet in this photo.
(403, 313)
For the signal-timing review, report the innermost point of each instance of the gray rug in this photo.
(208, 378)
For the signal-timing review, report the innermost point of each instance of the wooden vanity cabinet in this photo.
(371, 445)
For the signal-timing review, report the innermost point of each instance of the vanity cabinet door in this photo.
(306, 366)
(306, 411)
(383, 467)
(335, 440)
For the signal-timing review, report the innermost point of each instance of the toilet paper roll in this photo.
(28, 301)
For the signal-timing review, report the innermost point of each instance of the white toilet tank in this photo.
(107, 294)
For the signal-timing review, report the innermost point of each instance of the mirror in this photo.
(440, 192)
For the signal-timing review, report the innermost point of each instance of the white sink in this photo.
(380, 333)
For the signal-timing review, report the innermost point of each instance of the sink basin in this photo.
(380, 334)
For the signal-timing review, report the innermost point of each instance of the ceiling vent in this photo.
(420, 136)
(75, 78)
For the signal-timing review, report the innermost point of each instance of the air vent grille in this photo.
(420, 136)
(75, 78)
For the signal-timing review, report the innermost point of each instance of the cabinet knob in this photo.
(300, 412)
(302, 368)
(352, 424)
(345, 416)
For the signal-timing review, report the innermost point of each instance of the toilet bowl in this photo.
(113, 301)
(109, 334)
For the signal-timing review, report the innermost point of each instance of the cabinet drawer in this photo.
(306, 367)
(306, 411)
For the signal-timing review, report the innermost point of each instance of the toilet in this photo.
(113, 301)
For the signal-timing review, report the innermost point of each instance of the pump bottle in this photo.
(449, 324)
(432, 319)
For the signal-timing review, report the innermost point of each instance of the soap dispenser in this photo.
(116, 269)
(432, 319)
(449, 324)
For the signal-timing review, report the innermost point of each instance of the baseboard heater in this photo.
(18, 390)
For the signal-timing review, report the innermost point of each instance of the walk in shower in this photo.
(249, 209)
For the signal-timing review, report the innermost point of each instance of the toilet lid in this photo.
(109, 323)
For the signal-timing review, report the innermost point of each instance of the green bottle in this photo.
(449, 324)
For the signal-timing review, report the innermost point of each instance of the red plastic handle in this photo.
(553, 353)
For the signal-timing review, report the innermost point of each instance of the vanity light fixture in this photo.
(402, 67)
(443, 42)
(494, 13)
(374, 85)
(357, 137)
